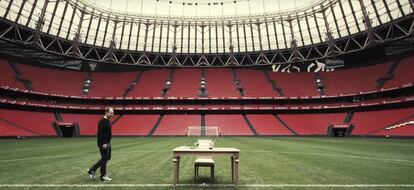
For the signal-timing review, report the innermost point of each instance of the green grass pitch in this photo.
(265, 163)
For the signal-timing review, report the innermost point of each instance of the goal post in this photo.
(197, 131)
(212, 131)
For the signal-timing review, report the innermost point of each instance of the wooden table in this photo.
(194, 151)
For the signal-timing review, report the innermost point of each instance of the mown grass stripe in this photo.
(207, 185)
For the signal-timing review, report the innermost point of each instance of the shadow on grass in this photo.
(204, 182)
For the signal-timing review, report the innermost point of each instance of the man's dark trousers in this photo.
(105, 156)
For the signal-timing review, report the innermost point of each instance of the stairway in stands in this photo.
(87, 82)
(19, 77)
(320, 87)
(250, 125)
(58, 118)
(132, 84)
(19, 126)
(237, 82)
(389, 75)
(156, 125)
(348, 120)
(273, 83)
(286, 125)
(203, 92)
(167, 85)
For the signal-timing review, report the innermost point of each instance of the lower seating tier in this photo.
(367, 123)
(26, 123)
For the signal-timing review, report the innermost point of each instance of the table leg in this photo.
(195, 173)
(212, 173)
(232, 169)
(236, 172)
(175, 171)
(178, 169)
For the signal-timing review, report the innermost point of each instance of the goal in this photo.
(196, 131)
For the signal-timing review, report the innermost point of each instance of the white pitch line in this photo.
(337, 155)
(328, 185)
(35, 158)
(209, 185)
(73, 155)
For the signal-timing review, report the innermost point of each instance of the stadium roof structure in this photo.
(202, 33)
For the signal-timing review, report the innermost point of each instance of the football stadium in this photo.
(206, 94)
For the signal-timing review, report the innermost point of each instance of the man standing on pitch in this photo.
(104, 145)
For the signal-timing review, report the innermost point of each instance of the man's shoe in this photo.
(106, 179)
(91, 174)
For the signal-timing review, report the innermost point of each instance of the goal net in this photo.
(196, 131)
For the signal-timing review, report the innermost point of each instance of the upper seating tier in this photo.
(220, 83)
(110, 84)
(295, 84)
(403, 74)
(150, 84)
(353, 80)
(185, 83)
(255, 83)
(7, 76)
(53, 80)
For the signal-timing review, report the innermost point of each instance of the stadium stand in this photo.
(403, 74)
(312, 124)
(150, 86)
(134, 125)
(400, 132)
(110, 84)
(220, 83)
(9, 130)
(353, 80)
(176, 124)
(7, 75)
(229, 124)
(403, 131)
(266, 124)
(88, 123)
(295, 84)
(53, 80)
(403, 128)
(26, 123)
(367, 123)
(255, 83)
(185, 83)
